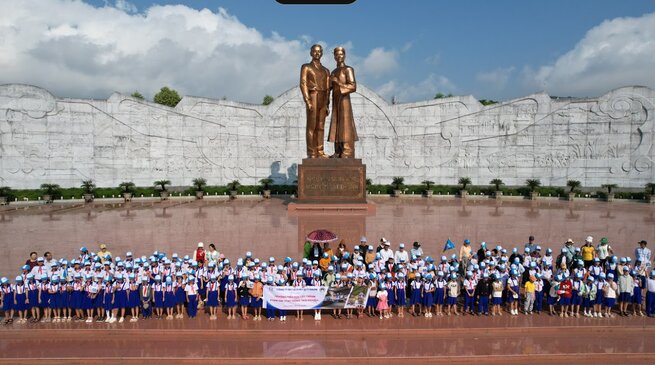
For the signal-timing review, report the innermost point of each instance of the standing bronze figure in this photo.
(315, 88)
(342, 125)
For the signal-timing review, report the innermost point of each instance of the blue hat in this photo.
(26, 267)
(467, 241)
(157, 278)
(230, 278)
(19, 278)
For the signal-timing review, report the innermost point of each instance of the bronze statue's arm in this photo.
(351, 85)
(303, 86)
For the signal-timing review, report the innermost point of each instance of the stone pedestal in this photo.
(331, 181)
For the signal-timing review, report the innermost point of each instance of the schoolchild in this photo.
(33, 298)
(108, 300)
(497, 288)
(600, 295)
(270, 309)
(213, 290)
(134, 297)
(453, 293)
(7, 298)
(482, 291)
(428, 295)
(316, 281)
(416, 298)
(625, 288)
(610, 289)
(576, 295)
(191, 292)
(566, 293)
(469, 293)
(91, 289)
(337, 283)
(120, 298)
(231, 297)
(282, 312)
(589, 296)
(650, 295)
(513, 293)
(20, 299)
(299, 282)
(529, 295)
(401, 295)
(256, 293)
(440, 292)
(158, 297)
(77, 296)
(243, 291)
(383, 304)
(180, 294)
(639, 285)
(145, 295)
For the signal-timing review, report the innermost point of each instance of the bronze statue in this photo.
(315, 88)
(342, 125)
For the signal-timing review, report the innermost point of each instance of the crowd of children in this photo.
(586, 280)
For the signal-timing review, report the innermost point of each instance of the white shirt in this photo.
(401, 255)
(386, 254)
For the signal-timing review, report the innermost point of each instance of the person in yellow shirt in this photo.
(529, 295)
(256, 294)
(104, 253)
(588, 252)
(324, 262)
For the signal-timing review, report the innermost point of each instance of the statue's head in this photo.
(316, 52)
(339, 54)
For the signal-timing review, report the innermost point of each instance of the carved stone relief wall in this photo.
(56, 140)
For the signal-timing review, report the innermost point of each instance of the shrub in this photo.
(398, 183)
(50, 189)
(88, 186)
(199, 183)
(573, 184)
(497, 183)
(533, 184)
(464, 181)
(161, 184)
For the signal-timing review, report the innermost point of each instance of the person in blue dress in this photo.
(231, 297)
(213, 290)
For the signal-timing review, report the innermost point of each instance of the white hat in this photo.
(589, 239)
(402, 245)
(363, 239)
(200, 244)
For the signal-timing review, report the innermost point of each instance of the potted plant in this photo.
(127, 188)
(49, 191)
(5, 192)
(497, 183)
(233, 187)
(368, 183)
(199, 183)
(573, 184)
(610, 193)
(88, 186)
(266, 187)
(161, 185)
(533, 184)
(464, 181)
(428, 188)
(398, 183)
(650, 188)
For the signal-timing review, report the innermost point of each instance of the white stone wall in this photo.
(597, 141)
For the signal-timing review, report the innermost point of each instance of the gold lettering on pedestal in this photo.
(332, 184)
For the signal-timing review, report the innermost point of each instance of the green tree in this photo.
(651, 188)
(533, 184)
(442, 95)
(267, 100)
(464, 181)
(497, 183)
(161, 184)
(573, 184)
(137, 95)
(167, 96)
(486, 102)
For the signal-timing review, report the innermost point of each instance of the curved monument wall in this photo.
(57, 140)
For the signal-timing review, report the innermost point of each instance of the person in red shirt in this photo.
(199, 254)
(565, 292)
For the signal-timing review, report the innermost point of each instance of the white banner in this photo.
(314, 297)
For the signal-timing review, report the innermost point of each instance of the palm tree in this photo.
(88, 186)
(464, 181)
(199, 183)
(233, 185)
(609, 187)
(162, 184)
(5, 193)
(651, 187)
(428, 184)
(398, 183)
(127, 186)
(533, 184)
(573, 184)
(266, 183)
(497, 183)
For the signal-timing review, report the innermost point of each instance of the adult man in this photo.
(342, 125)
(416, 249)
(49, 261)
(643, 254)
(401, 255)
(386, 253)
(531, 245)
(315, 86)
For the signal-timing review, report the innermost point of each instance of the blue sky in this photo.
(402, 48)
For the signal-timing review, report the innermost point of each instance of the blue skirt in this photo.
(53, 301)
(451, 300)
(372, 302)
(45, 299)
(33, 296)
(496, 300)
(244, 300)
(564, 300)
(159, 300)
(256, 302)
(428, 299)
(231, 301)
(180, 296)
(19, 303)
(169, 299)
(212, 298)
(134, 299)
(625, 297)
(402, 298)
(98, 301)
(120, 299)
(416, 297)
(391, 297)
(63, 300)
(8, 303)
(510, 296)
(76, 300)
(87, 301)
(439, 296)
(609, 302)
(551, 300)
(192, 309)
(576, 299)
(107, 301)
(637, 295)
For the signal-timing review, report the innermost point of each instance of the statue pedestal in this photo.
(332, 181)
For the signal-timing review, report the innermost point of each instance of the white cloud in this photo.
(497, 78)
(380, 61)
(126, 6)
(424, 90)
(616, 53)
(75, 49)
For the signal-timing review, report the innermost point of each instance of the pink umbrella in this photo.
(321, 236)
